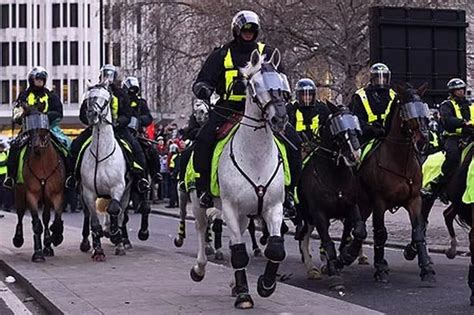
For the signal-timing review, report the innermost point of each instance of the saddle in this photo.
(224, 130)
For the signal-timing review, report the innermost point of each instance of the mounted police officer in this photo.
(39, 98)
(457, 117)
(220, 74)
(121, 114)
(373, 103)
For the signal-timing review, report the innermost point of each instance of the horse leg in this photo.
(217, 229)
(251, 227)
(470, 279)
(114, 209)
(322, 226)
(352, 250)
(119, 246)
(449, 215)
(38, 255)
(125, 240)
(312, 271)
(198, 271)
(89, 208)
(57, 227)
(144, 209)
(418, 238)
(47, 250)
(265, 233)
(183, 199)
(274, 252)
(85, 244)
(18, 238)
(380, 238)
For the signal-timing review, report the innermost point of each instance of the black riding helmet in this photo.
(37, 73)
(304, 88)
(245, 20)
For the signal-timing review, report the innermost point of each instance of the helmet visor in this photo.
(415, 110)
(343, 123)
(264, 83)
(306, 96)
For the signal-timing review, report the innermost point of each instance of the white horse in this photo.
(103, 172)
(251, 177)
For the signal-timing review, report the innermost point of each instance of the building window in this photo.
(57, 87)
(22, 85)
(88, 53)
(74, 60)
(14, 19)
(64, 14)
(56, 15)
(74, 91)
(116, 51)
(56, 53)
(38, 16)
(38, 54)
(22, 17)
(116, 18)
(106, 17)
(73, 16)
(5, 92)
(5, 54)
(88, 16)
(14, 90)
(65, 53)
(13, 53)
(22, 59)
(65, 91)
(5, 23)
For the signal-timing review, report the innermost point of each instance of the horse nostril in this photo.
(274, 120)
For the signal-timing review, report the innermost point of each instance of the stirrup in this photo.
(205, 201)
(182, 186)
(70, 182)
(143, 185)
(8, 183)
(289, 209)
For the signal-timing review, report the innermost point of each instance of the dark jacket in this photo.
(448, 116)
(212, 73)
(192, 129)
(55, 107)
(141, 111)
(124, 112)
(378, 100)
(309, 112)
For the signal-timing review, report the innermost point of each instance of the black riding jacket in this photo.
(448, 117)
(378, 98)
(308, 112)
(55, 107)
(124, 112)
(140, 110)
(213, 71)
(191, 130)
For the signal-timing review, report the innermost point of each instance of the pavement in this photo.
(148, 280)
(398, 226)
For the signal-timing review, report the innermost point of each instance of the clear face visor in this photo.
(342, 123)
(97, 97)
(380, 78)
(266, 86)
(107, 76)
(306, 96)
(36, 121)
(413, 110)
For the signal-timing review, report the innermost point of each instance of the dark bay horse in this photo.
(327, 190)
(43, 187)
(390, 177)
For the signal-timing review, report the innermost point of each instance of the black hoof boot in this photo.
(85, 246)
(143, 235)
(98, 255)
(450, 253)
(381, 272)
(194, 276)
(38, 256)
(409, 252)
(472, 300)
(263, 240)
(336, 283)
(178, 241)
(257, 252)
(57, 230)
(116, 238)
(126, 243)
(18, 241)
(428, 275)
(243, 301)
(263, 290)
(48, 251)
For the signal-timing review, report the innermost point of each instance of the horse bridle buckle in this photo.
(260, 191)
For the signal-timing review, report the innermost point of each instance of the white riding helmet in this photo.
(131, 84)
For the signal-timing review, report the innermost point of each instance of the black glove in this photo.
(203, 91)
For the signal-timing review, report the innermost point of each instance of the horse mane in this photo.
(250, 69)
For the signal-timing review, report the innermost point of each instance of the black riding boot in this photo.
(12, 167)
(202, 163)
(293, 153)
(69, 167)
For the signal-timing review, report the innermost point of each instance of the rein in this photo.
(43, 181)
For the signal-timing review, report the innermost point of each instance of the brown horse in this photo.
(43, 187)
(390, 177)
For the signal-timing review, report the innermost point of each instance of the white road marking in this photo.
(12, 301)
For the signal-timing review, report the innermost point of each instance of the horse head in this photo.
(414, 113)
(342, 130)
(36, 124)
(267, 88)
(97, 100)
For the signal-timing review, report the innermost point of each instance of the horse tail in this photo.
(101, 205)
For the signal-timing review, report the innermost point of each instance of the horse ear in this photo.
(400, 89)
(254, 58)
(276, 58)
(331, 106)
(422, 89)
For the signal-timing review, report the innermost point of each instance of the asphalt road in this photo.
(404, 294)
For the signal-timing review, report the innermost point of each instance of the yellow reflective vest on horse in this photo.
(3, 162)
(457, 112)
(41, 102)
(231, 73)
(300, 126)
(371, 117)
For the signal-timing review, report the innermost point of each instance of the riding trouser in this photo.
(183, 162)
(453, 157)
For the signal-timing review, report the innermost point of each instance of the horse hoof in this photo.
(324, 269)
(450, 253)
(143, 235)
(178, 241)
(409, 252)
(428, 276)
(209, 250)
(314, 274)
(126, 244)
(38, 256)
(120, 251)
(48, 252)
(18, 241)
(106, 234)
(194, 275)
(263, 240)
(243, 301)
(98, 255)
(264, 291)
(381, 276)
(219, 255)
(116, 238)
(363, 260)
(472, 300)
(85, 246)
(257, 252)
(336, 283)
(57, 239)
